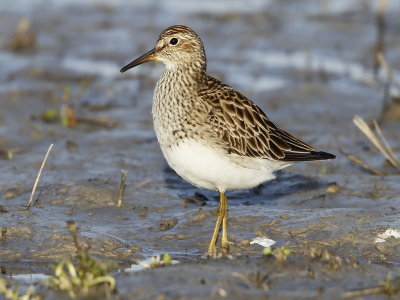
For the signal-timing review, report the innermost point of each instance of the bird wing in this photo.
(243, 128)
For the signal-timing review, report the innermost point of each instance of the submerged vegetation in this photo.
(279, 253)
(83, 276)
(87, 273)
(13, 293)
(389, 286)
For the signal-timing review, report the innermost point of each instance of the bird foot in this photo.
(213, 253)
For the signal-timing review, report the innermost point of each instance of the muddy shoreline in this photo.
(309, 67)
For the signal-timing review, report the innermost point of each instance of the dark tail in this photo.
(313, 155)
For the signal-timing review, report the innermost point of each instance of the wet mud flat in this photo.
(309, 67)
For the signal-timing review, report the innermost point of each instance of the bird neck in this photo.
(186, 74)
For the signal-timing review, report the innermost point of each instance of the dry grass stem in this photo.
(100, 122)
(38, 176)
(363, 164)
(380, 26)
(389, 286)
(375, 290)
(381, 144)
(144, 182)
(121, 187)
(386, 144)
(388, 71)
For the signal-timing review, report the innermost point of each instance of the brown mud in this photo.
(309, 66)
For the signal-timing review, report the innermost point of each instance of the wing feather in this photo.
(244, 129)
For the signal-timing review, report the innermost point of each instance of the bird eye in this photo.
(173, 41)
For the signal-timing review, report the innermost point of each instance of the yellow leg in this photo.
(212, 251)
(224, 240)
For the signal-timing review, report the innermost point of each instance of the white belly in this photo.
(214, 170)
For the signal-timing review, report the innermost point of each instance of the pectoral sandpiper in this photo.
(210, 134)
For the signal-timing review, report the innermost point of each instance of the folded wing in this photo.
(244, 129)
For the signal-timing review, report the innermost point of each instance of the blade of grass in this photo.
(364, 292)
(383, 148)
(386, 144)
(364, 165)
(388, 71)
(38, 176)
(121, 187)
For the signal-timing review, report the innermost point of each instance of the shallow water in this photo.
(309, 66)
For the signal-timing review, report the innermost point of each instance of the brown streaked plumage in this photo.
(210, 134)
(247, 131)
